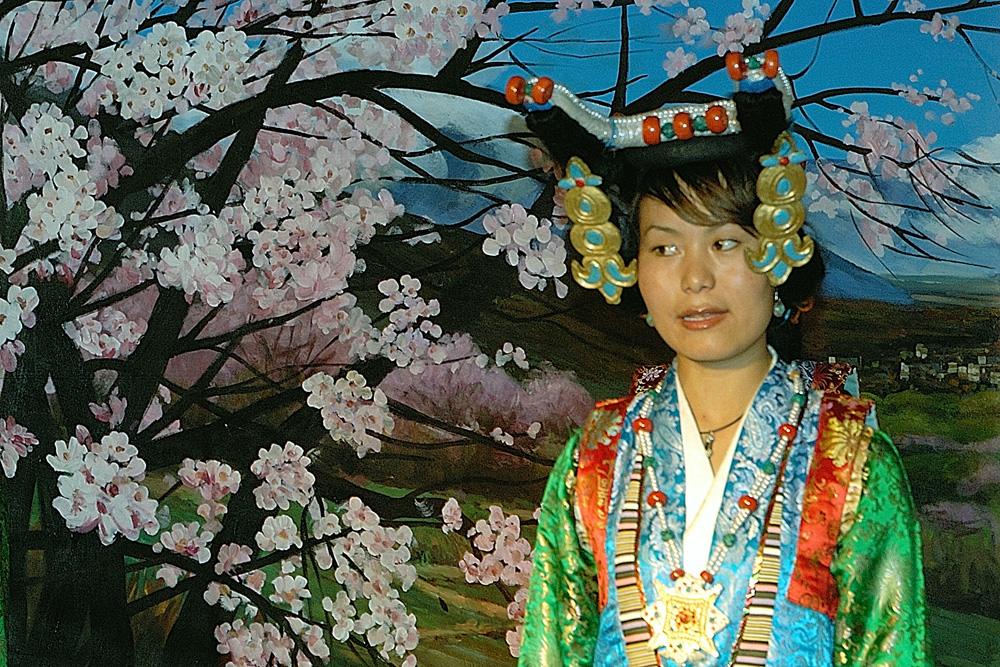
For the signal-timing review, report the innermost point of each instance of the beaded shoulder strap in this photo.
(631, 599)
(753, 639)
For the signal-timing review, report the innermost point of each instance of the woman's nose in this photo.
(697, 273)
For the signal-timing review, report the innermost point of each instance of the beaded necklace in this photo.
(684, 619)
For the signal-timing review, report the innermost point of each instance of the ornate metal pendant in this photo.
(684, 619)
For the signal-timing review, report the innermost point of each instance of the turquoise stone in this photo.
(729, 540)
(667, 132)
(799, 399)
(595, 237)
(667, 535)
(768, 468)
(700, 123)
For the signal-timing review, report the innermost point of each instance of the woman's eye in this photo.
(665, 250)
(726, 244)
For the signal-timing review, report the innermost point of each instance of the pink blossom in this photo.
(691, 26)
(324, 559)
(212, 479)
(351, 410)
(342, 611)
(350, 579)
(278, 533)
(513, 638)
(452, 515)
(15, 442)
(740, 30)
(939, 26)
(103, 492)
(112, 412)
(324, 523)
(68, 457)
(506, 557)
(108, 333)
(254, 645)
(222, 595)
(9, 352)
(185, 540)
(285, 477)
(359, 516)
(231, 555)
(528, 244)
(170, 575)
(290, 591)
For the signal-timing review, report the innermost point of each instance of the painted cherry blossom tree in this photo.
(243, 368)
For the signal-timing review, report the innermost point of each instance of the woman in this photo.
(724, 513)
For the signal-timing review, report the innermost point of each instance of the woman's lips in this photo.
(703, 318)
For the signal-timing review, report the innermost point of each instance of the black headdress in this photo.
(609, 152)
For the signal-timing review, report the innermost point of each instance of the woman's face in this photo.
(706, 303)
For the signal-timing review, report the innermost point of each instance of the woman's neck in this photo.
(718, 393)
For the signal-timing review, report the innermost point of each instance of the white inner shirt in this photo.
(703, 488)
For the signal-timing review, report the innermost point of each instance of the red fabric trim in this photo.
(594, 476)
(830, 378)
(841, 424)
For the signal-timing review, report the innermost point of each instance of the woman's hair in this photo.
(714, 193)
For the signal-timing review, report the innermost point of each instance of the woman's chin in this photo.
(704, 348)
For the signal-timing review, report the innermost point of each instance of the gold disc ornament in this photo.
(684, 619)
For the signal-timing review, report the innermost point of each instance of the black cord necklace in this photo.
(708, 437)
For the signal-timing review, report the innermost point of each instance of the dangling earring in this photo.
(649, 319)
(779, 307)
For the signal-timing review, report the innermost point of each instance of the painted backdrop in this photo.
(287, 338)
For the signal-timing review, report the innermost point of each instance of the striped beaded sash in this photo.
(631, 600)
(754, 636)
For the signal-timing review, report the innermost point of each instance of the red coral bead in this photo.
(643, 424)
(770, 63)
(735, 66)
(515, 90)
(717, 119)
(783, 161)
(682, 126)
(748, 503)
(677, 574)
(651, 130)
(541, 92)
(787, 431)
(707, 577)
(656, 498)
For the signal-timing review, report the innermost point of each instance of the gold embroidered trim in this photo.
(857, 483)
